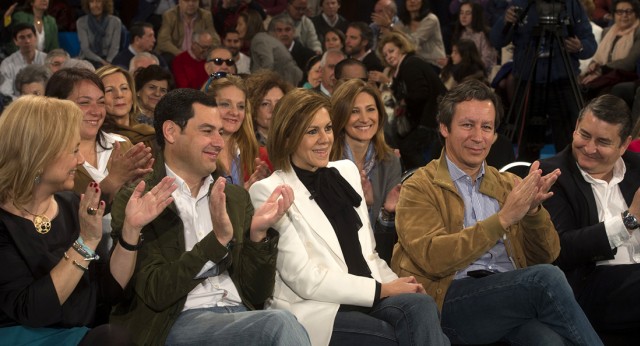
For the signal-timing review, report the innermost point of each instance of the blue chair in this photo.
(68, 40)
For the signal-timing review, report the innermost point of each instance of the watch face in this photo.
(630, 221)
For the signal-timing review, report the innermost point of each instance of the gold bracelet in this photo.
(80, 266)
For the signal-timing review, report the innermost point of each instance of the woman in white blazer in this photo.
(328, 273)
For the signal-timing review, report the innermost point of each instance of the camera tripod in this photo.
(544, 38)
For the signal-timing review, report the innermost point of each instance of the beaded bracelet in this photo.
(84, 250)
(66, 257)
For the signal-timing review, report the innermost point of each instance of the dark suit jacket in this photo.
(165, 272)
(573, 211)
(372, 62)
(123, 58)
(322, 27)
(301, 54)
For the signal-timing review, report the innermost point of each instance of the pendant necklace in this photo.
(40, 221)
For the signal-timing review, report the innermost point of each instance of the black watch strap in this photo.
(130, 247)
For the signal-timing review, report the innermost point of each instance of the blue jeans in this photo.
(531, 306)
(406, 319)
(234, 325)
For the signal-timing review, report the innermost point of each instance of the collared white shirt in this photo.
(324, 90)
(610, 204)
(10, 67)
(100, 172)
(217, 289)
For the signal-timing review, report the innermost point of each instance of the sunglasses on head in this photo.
(214, 76)
(220, 61)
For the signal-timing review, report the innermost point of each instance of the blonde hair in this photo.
(35, 130)
(245, 138)
(342, 101)
(399, 39)
(108, 70)
(291, 118)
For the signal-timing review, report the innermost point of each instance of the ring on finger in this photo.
(92, 211)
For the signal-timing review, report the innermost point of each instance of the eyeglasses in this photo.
(628, 12)
(204, 48)
(214, 76)
(220, 61)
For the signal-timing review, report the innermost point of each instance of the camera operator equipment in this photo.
(549, 37)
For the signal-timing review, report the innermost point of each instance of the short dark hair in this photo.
(152, 72)
(610, 109)
(347, 62)
(467, 91)
(137, 29)
(62, 83)
(365, 32)
(635, 4)
(177, 106)
(22, 26)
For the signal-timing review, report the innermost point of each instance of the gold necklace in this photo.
(40, 221)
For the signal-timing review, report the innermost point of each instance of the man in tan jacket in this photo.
(480, 242)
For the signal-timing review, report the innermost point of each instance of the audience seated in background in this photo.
(329, 18)
(480, 242)
(328, 64)
(55, 59)
(350, 68)
(34, 12)
(421, 24)
(603, 14)
(312, 73)
(266, 51)
(281, 27)
(305, 30)
(142, 41)
(122, 109)
(194, 286)
(416, 89)
(178, 26)
(152, 83)
(384, 16)
(99, 32)
(24, 36)
(219, 59)
(225, 13)
(359, 38)
(188, 66)
(273, 7)
(264, 90)
(233, 43)
(142, 60)
(464, 64)
(241, 161)
(471, 25)
(618, 51)
(595, 208)
(333, 39)
(31, 80)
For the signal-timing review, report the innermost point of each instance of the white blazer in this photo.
(312, 278)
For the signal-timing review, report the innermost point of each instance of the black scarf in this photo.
(338, 201)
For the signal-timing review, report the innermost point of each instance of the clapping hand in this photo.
(130, 166)
(271, 211)
(90, 215)
(143, 208)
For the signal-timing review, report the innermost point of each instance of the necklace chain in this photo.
(40, 221)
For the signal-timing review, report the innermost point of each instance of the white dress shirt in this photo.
(611, 204)
(217, 289)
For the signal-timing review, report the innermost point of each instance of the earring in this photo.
(37, 179)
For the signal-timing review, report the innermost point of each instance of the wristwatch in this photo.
(629, 220)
